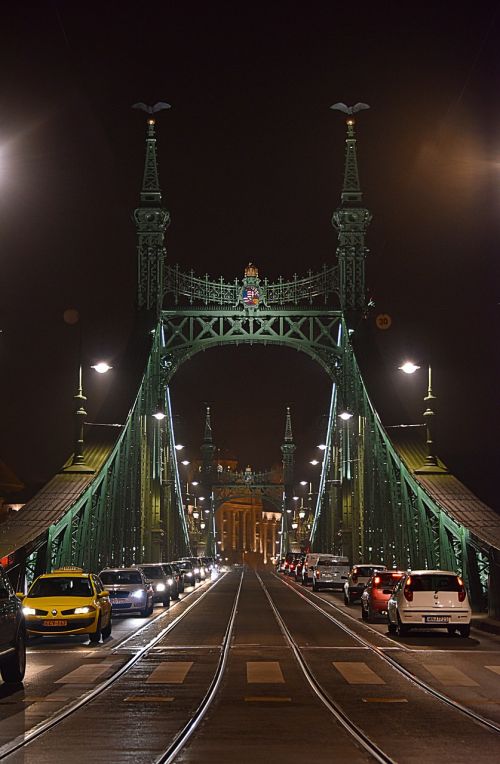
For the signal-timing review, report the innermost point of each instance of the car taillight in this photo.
(377, 580)
(407, 591)
(318, 574)
(461, 591)
(292, 566)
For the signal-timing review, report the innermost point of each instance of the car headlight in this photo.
(29, 611)
(85, 609)
(196, 570)
(138, 594)
(170, 582)
(189, 574)
(160, 587)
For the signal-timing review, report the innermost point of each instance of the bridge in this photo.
(382, 493)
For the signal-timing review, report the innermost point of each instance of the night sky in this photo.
(251, 165)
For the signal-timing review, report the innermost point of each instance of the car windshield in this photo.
(325, 563)
(68, 586)
(120, 577)
(153, 571)
(184, 565)
(435, 583)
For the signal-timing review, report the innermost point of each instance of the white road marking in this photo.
(264, 672)
(495, 669)
(450, 676)
(357, 672)
(85, 674)
(170, 672)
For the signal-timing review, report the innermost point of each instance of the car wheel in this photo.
(106, 632)
(166, 601)
(401, 628)
(464, 630)
(13, 666)
(451, 630)
(96, 636)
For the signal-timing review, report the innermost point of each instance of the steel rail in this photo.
(354, 731)
(420, 683)
(185, 734)
(35, 732)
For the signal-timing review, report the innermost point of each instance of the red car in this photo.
(377, 594)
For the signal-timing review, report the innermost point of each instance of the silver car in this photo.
(129, 590)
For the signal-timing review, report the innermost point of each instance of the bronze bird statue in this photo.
(159, 106)
(350, 109)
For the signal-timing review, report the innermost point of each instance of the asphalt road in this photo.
(265, 709)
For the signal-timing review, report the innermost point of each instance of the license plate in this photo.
(436, 618)
(55, 623)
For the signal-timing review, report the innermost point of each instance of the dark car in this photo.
(174, 576)
(180, 573)
(155, 573)
(187, 568)
(12, 633)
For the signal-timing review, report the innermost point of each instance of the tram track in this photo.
(29, 736)
(388, 660)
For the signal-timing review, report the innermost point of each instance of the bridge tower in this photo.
(288, 451)
(151, 220)
(351, 220)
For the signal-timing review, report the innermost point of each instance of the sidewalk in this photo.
(485, 623)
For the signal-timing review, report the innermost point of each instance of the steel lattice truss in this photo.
(189, 331)
(371, 507)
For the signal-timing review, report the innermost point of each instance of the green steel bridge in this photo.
(119, 498)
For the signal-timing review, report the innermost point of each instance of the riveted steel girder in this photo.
(189, 331)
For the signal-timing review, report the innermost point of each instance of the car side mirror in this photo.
(20, 595)
(104, 593)
(4, 593)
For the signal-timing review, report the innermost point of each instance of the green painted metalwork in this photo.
(369, 504)
(371, 507)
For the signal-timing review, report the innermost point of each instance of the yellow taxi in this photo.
(67, 601)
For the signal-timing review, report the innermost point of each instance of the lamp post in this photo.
(431, 464)
(78, 463)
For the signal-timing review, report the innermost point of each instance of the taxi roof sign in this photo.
(68, 569)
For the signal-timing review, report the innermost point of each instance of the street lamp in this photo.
(431, 464)
(78, 463)
(345, 415)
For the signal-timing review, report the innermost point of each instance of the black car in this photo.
(180, 574)
(12, 633)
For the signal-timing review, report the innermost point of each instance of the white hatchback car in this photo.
(429, 599)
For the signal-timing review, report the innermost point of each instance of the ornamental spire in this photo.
(288, 449)
(208, 428)
(208, 446)
(288, 426)
(151, 220)
(351, 221)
